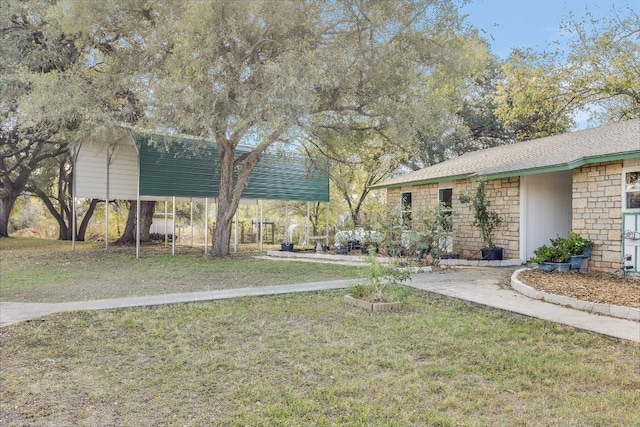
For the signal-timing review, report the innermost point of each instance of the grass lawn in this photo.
(36, 270)
(304, 359)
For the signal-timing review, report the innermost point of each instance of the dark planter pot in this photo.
(287, 247)
(586, 252)
(492, 254)
(341, 251)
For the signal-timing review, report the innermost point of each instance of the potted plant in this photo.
(342, 240)
(369, 241)
(579, 245)
(554, 256)
(287, 244)
(486, 220)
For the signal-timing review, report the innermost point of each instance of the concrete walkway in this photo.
(480, 286)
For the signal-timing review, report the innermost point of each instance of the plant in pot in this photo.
(370, 239)
(341, 241)
(554, 256)
(287, 244)
(578, 245)
(486, 220)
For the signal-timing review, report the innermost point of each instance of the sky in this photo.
(530, 23)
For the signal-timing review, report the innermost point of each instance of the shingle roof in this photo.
(559, 152)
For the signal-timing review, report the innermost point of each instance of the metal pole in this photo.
(138, 226)
(166, 222)
(308, 217)
(206, 225)
(173, 241)
(106, 207)
(328, 211)
(261, 226)
(191, 219)
(73, 201)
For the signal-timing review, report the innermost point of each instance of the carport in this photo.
(131, 165)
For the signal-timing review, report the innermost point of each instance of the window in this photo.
(631, 190)
(405, 206)
(445, 197)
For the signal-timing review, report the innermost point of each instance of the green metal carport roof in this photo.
(190, 168)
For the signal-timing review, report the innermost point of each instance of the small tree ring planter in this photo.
(378, 307)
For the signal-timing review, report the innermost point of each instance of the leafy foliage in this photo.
(484, 218)
(543, 92)
(382, 281)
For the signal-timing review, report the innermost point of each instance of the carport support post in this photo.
(191, 219)
(173, 232)
(206, 225)
(138, 226)
(74, 156)
(308, 217)
(166, 222)
(328, 206)
(261, 227)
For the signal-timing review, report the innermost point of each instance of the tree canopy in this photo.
(544, 93)
(268, 74)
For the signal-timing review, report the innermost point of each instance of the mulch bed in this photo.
(597, 287)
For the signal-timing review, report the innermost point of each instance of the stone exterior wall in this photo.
(597, 211)
(504, 195)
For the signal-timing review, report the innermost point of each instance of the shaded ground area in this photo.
(597, 287)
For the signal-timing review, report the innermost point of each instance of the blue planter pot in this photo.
(576, 262)
(547, 266)
(586, 252)
(556, 266)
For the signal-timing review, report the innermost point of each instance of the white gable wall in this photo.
(91, 171)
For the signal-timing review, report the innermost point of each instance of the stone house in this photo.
(587, 181)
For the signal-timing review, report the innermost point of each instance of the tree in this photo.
(359, 159)
(147, 208)
(543, 93)
(28, 46)
(52, 182)
(267, 73)
(52, 93)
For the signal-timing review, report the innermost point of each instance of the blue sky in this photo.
(530, 23)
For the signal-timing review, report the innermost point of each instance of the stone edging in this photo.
(604, 309)
(379, 307)
(358, 258)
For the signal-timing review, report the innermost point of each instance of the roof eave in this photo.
(520, 172)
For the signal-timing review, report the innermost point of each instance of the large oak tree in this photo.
(268, 74)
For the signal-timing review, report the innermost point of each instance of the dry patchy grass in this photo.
(45, 271)
(311, 360)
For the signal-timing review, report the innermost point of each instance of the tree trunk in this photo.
(147, 209)
(227, 204)
(7, 200)
(82, 230)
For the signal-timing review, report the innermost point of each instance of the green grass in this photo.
(35, 270)
(304, 359)
(311, 360)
